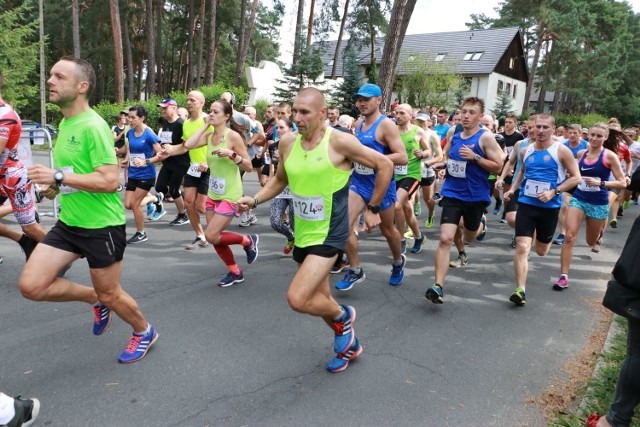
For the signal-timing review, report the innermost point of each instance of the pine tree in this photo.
(352, 80)
(503, 105)
(300, 74)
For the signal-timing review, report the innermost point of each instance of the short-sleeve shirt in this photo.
(197, 155)
(171, 133)
(142, 146)
(10, 127)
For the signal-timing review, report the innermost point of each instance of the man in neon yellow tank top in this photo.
(320, 205)
(92, 220)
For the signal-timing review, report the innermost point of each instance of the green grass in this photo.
(598, 392)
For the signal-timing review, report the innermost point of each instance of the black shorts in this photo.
(454, 209)
(265, 170)
(408, 184)
(508, 180)
(425, 182)
(512, 205)
(145, 184)
(324, 251)
(201, 183)
(532, 218)
(102, 247)
(257, 162)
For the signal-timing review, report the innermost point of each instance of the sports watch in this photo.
(374, 208)
(58, 175)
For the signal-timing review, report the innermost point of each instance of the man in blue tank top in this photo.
(470, 156)
(380, 134)
(541, 181)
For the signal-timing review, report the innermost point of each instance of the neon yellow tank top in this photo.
(224, 182)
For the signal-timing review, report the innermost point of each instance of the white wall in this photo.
(491, 91)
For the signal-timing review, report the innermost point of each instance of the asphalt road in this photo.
(241, 357)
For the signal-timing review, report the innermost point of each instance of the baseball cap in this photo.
(167, 102)
(423, 117)
(368, 90)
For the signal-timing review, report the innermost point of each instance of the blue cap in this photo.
(368, 91)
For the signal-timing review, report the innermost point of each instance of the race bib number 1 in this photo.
(361, 169)
(194, 171)
(216, 185)
(533, 187)
(309, 208)
(457, 168)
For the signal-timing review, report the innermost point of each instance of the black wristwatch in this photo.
(58, 175)
(602, 183)
(374, 208)
(558, 192)
(233, 155)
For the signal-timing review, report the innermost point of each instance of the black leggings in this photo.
(627, 394)
(169, 180)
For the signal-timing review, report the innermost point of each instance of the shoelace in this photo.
(97, 311)
(133, 343)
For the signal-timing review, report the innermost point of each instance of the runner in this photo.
(382, 135)
(470, 156)
(121, 144)
(510, 137)
(590, 199)
(428, 178)
(617, 142)
(92, 220)
(282, 203)
(322, 219)
(545, 165)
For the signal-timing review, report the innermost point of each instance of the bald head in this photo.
(229, 97)
(310, 110)
(312, 95)
(195, 102)
(487, 121)
(403, 114)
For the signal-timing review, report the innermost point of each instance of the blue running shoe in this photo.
(559, 240)
(151, 208)
(231, 279)
(138, 346)
(397, 273)
(252, 248)
(435, 294)
(403, 246)
(343, 327)
(350, 278)
(102, 319)
(417, 245)
(483, 224)
(341, 361)
(158, 214)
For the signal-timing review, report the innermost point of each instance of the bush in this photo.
(261, 107)
(585, 120)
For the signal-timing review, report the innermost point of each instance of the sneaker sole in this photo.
(360, 280)
(179, 223)
(153, 341)
(226, 285)
(357, 353)
(516, 299)
(434, 296)
(35, 411)
(137, 241)
(559, 287)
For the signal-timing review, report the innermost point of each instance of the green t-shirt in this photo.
(413, 168)
(189, 127)
(85, 142)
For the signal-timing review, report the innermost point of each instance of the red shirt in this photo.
(10, 127)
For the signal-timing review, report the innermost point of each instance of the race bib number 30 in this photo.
(533, 187)
(457, 168)
(361, 169)
(216, 185)
(309, 208)
(400, 169)
(194, 171)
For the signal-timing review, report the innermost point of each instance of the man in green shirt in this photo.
(92, 220)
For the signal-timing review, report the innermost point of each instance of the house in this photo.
(490, 61)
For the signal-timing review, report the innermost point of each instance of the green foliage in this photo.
(427, 82)
(503, 105)
(18, 53)
(352, 80)
(586, 120)
(300, 74)
(261, 107)
(372, 75)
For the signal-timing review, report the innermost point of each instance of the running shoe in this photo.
(408, 234)
(596, 248)
(341, 361)
(562, 283)
(460, 261)
(139, 237)
(417, 245)
(158, 214)
(626, 204)
(151, 208)
(288, 247)
(340, 265)
(435, 294)
(437, 197)
(158, 203)
(503, 220)
(613, 223)
(513, 241)
(102, 319)
(26, 412)
(231, 279)
(397, 272)
(417, 208)
(180, 219)
(198, 242)
(429, 222)
(482, 235)
(620, 214)
(244, 219)
(139, 345)
(518, 296)
(350, 279)
(27, 244)
(343, 328)
(252, 218)
(559, 240)
(403, 246)
(496, 210)
(252, 248)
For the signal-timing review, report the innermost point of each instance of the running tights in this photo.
(278, 208)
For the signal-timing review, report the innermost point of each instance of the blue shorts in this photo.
(389, 199)
(592, 211)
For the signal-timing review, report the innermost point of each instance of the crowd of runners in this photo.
(376, 171)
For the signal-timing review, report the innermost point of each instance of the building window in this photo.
(468, 56)
(500, 87)
(508, 89)
(515, 87)
(440, 57)
(512, 63)
(476, 56)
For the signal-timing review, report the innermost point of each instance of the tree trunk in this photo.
(189, 71)
(556, 100)
(151, 49)
(243, 23)
(118, 66)
(534, 65)
(339, 42)
(298, 34)
(158, 10)
(400, 16)
(208, 73)
(75, 27)
(129, 56)
(242, 49)
(200, 42)
(310, 27)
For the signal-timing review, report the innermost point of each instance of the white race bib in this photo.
(133, 157)
(64, 189)
(427, 171)
(267, 158)
(286, 193)
(457, 168)
(361, 169)
(583, 186)
(400, 169)
(166, 137)
(309, 208)
(216, 185)
(533, 187)
(194, 171)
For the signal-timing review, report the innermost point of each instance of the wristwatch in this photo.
(602, 183)
(477, 158)
(374, 208)
(58, 175)
(234, 155)
(558, 192)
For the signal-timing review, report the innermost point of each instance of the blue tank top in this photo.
(576, 150)
(542, 172)
(364, 178)
(523, 144)
(597, 169)
(466, 180)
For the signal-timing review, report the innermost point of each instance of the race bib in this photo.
(194, 171)
(216, 185)
(133, 157)
(309, 208)
(427, 171)
(361, 169)
(583, 186)
(400, 169)
(166, 137)
(457, 168)
(267, 158)
(286, 193)
(533, 187)
(64, 189)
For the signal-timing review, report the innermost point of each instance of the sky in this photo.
(429, 16)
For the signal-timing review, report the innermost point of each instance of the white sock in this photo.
(7, 410)
(146, 331)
